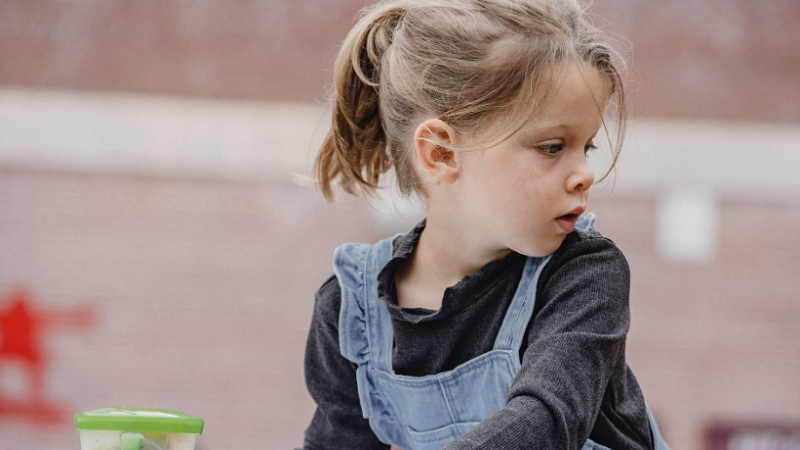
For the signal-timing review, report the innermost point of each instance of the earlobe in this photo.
(431, 140)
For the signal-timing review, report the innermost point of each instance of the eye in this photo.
(550, 149)
(553, 149)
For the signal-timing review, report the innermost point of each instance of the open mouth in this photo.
(567, 222)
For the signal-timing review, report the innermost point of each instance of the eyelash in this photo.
(560, 147)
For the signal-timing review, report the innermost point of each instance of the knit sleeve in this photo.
(338, 422)
(576, 339)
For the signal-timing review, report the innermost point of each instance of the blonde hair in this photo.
(466, 62)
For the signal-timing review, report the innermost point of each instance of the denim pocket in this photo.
(438, 438)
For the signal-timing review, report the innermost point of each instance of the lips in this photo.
(567, 221)
(574, 213)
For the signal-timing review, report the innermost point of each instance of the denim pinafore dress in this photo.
(428, 412)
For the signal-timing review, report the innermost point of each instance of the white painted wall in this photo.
(254, 140)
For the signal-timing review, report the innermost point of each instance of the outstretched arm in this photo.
(574, 342)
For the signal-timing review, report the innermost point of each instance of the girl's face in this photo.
(517, 189)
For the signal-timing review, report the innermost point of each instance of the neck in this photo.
(446, 253)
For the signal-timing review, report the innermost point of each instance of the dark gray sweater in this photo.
(574, 382)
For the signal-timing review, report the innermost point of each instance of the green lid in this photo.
(139, 419)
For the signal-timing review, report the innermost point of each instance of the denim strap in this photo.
(520, 311)
(379, 322)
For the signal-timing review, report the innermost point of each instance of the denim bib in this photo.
(428, 412)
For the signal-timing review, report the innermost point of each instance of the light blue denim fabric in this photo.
(428, 412)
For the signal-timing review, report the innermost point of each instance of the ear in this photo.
(442, 163)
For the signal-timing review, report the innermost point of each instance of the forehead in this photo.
(576, 100)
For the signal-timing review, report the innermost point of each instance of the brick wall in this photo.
(702, 59)
(201, 291)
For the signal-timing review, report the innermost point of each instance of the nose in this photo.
(581, 174)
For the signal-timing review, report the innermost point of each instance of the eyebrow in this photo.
(532, 130)
(551, 127)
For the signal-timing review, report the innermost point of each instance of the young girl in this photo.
(499, 321)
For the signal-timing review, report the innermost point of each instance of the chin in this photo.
(539, 251)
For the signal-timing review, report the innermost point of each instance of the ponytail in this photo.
(355, 147)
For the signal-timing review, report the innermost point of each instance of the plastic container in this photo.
(137, 429)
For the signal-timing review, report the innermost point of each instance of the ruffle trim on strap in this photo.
(349, 266)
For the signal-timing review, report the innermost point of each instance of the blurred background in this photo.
(157, 249)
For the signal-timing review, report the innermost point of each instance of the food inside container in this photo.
(137, 429)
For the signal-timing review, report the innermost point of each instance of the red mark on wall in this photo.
(22, 328)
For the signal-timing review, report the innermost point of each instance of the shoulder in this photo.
(584, 287)
(349, 260)
(590, 239)
(588, 272)
(588, 253)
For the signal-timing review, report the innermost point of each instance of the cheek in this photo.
(511, 188)
(530, 202)
(500, 179)
(508, 184)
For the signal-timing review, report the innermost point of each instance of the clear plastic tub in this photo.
(137, 429)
